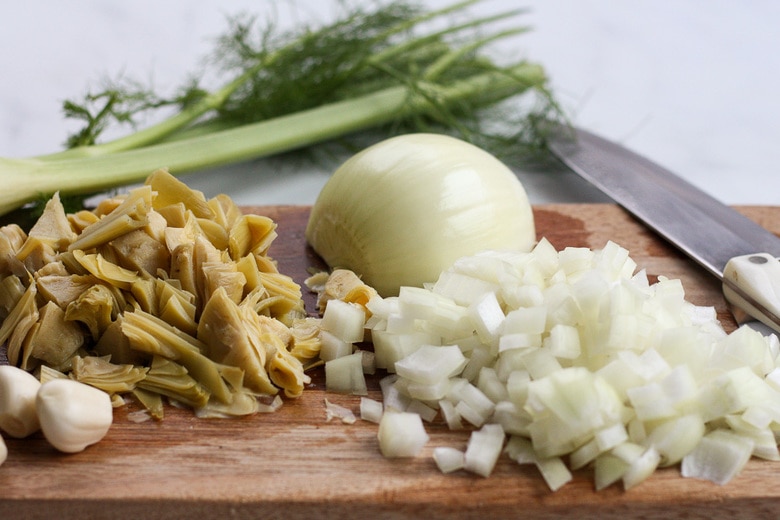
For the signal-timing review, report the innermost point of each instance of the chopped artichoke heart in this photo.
(53, 226)
(54, 339)
(11, 291)
(183, 268)
(216, 234)
(226, 211)
(286, 371)
(101, 268)
(145, 295)
(21, 319)
(109, 377)
(114, 344)
(80, 220)
(151, 401)
(220, 275)
(251, 234)
(171, 379)
(171, 190)
(306, 343)
(290, 303)
(156, 292)
(95, 308)
(36, 253)
(138, 251)
(150, 334)
(130, 215)
(230, 341)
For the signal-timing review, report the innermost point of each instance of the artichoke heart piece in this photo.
(251, 234)
(285, 297)
(104, 270)
(11, 291)
(231, 342)
(151, 401)
(244, 402)
(12, 238)
(341, 284)
(80, 220)
(138, 251)
(144, 295)
(36, 253)
(306, 342)
(175, 215)
(53, 339)
(183, 269)
(50, 234)
(95, 308)
(286, 370)
(62, 289)
(150, 334)
(226, 211)
(168, 378)
(215, 232)
(109, 377)
(115, 345)
(176, 306)
(186, 233)
(53, 226)
(171, 190)
(18, 323)
(222, 275)
(128, 216)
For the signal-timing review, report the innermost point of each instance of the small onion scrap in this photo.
(403, 210)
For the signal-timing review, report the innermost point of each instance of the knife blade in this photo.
(730, 246)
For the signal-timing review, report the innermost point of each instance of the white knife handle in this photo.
(752, 283)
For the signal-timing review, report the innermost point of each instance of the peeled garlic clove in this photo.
(3, 451)
(17, 402)
(402, 211)
(73, 415)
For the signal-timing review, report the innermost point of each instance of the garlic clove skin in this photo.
(403, 210)
(18, 388)
(73, 415)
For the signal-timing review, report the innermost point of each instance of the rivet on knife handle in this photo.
(752, 284)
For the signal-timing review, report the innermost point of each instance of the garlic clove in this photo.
(3, 451)
(73, 415)
(18, 388)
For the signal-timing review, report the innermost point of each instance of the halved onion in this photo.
(402, 211)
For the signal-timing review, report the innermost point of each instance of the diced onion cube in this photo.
(344, 320)
(431, 364)
(345, 375)
(371, 410)
(483, 449)
(333, 347)
(719, 457)
(448, 459)
(554, 472)
(401, 434)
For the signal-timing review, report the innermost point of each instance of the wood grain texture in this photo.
(293, 464)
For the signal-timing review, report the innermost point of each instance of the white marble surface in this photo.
(694, 84)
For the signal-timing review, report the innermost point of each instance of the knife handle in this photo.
(751, 283)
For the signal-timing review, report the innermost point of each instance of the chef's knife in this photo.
(741, 253)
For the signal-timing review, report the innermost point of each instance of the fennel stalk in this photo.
(368, 70)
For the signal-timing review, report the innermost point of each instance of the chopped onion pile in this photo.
(569, 360)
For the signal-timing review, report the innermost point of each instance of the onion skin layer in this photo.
(403, 210)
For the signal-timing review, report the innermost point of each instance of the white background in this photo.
(693, 84)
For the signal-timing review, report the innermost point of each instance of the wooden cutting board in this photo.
(294, 464)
